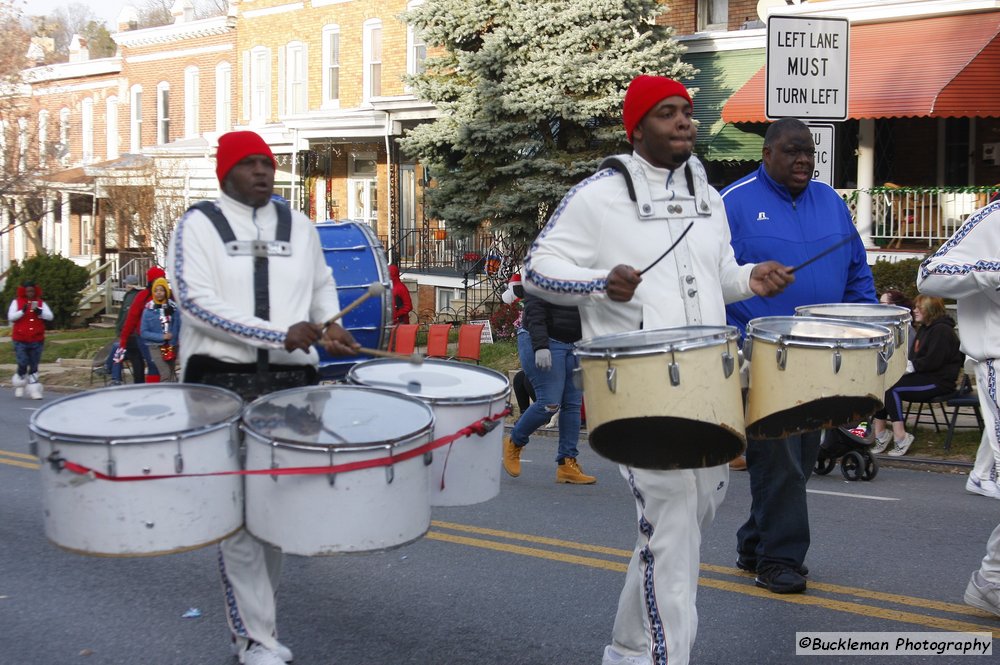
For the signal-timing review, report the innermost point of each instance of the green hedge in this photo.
(901, 275)
(60, 279)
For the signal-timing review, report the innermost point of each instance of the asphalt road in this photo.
(531, 577)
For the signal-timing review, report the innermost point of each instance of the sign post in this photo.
(807, 62)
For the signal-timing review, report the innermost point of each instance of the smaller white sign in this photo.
(487, 334)
(823, 137)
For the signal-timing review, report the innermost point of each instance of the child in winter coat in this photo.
(159, 331)
(27, 315)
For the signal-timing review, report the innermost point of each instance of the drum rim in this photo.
(720, 334)
(457, 400)
(292, 444)
(904, 315)
(885, 334)
(49, 435)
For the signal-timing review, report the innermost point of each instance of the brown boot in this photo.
(569, 471)
(511, 457)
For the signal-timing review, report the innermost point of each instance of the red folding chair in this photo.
(437, 340)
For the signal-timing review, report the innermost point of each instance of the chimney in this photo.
(78, 51)
(128, 19)
(182, 11)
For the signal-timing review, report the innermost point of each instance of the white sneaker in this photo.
(258, 654)
(19, 391)
(882, 442)
(899, 448)
(982, 594)
(985, 487)
(614, 657)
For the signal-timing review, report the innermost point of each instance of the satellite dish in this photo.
(763, 6)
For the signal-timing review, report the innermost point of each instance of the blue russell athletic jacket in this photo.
(767, 223)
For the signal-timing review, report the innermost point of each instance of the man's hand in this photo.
(337, 341)
(543, 359)
(302, 335)
(770, 278)
(622, 283)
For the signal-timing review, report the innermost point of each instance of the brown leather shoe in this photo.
(511, 457)
(738, 464)
(570, 472)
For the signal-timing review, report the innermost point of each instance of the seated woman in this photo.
(932, 370)
(159, 331)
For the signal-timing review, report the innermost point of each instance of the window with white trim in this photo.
(111, 127)
(416, 47)
(223, 97)
(296, 78)
(64, 135)
(87, 120)
(22, 144)
(331, 66)
(260, 85)
(192, 82)
(162, 112)
(43, 137)
(372, 59)
(713, 15)
(135, 118)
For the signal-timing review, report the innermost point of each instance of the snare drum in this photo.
(357, 259)
(809, 373)
(895, 318)
(140, 430)
(460, 394)
(664, 399)
(359, 510)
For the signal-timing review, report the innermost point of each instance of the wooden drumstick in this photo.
(374, 289)
(414, 358)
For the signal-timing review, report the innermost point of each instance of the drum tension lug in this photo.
(675, 374)
(178, 463)
(837, 359)
(486, 426)
(728, 364)
(331, 478)
(612, 380)
(428, 458)
(55, 461)
(390, 474)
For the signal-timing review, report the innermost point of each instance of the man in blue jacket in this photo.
(778, 212)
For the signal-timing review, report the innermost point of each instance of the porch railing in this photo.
(439, 250)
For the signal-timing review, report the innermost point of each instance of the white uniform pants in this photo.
(250, 571)
(656, 610)
(987, 464)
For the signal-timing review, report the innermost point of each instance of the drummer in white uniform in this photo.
(589, 255)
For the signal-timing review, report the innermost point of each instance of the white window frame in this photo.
(162, 118)
(331, 66)
(223, 97)
(372, 59)
(22, 144)
(192, 102)
(703, 13)
(135, 118)
(87, 125)
(64, 134)
(296, 78)
(111, 127)
(260, 85)
(43, 137)
(416, 47)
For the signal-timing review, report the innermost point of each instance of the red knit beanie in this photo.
(234, 146)
(645, 92)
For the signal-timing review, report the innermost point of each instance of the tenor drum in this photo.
(896, 319)
(137, 431)
(360, 510)
(459, 394)
(664, 399)
(357, 259)
(809, 373)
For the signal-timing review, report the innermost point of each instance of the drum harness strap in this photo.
(260, 250)
(481, 427)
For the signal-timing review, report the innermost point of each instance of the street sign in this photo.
(823, 137)
(807, 61)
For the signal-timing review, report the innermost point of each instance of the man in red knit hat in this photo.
(252, 313)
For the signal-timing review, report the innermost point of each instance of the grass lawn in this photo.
(80, 343)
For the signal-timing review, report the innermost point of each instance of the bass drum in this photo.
(357, 259)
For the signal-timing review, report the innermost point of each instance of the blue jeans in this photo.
(28, 355)
(553, 389)
(778, 528)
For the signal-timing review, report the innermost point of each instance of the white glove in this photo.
(543, 359)
(909, 367)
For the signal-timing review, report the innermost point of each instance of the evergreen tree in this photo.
(530, 93)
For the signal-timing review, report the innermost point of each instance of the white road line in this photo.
(853, 496)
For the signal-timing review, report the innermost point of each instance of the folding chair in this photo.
(469, 339)
(437, 340)
(403, 338)
(98, 366)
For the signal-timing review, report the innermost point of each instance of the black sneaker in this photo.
(750, 566)
(777, 578)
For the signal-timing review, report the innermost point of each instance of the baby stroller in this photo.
(852, 446)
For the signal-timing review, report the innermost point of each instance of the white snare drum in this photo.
(460, 394)
(895, 318)
(808, 373)
(354, 511)
(664, 399)
(140, 430)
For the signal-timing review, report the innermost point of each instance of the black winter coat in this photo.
(543, 320)
(936, 354)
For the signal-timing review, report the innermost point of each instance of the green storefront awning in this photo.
(721, 74)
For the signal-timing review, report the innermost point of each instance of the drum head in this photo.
(647, 342)
(811, 331)
(434, 381)
(870, 312)
(143, 411)
(337, 417)
(666, 442)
